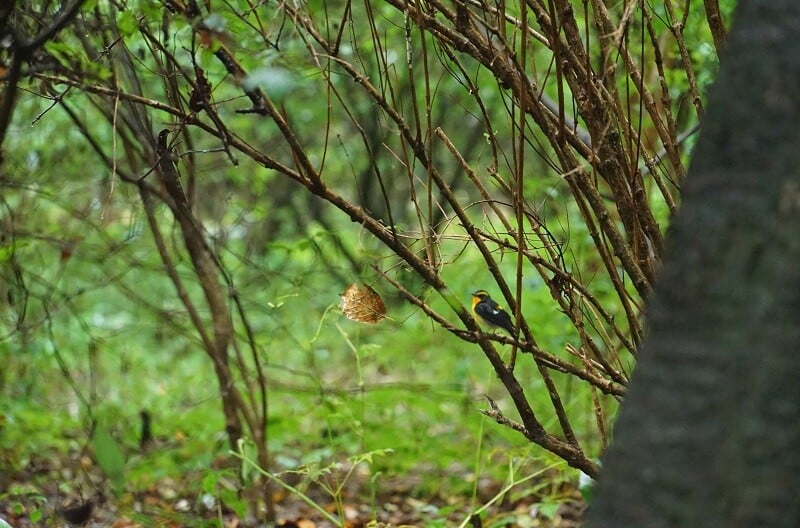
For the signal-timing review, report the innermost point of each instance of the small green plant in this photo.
(513, 480)
(332, 478)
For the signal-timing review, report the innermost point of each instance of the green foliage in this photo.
(126, 22)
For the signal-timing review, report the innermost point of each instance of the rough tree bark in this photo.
(709, 435)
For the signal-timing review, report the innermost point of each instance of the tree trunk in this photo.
(710, 433)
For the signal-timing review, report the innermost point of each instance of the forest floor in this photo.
(69, 490)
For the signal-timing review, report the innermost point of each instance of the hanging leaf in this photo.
(110, 458)
(363, 304)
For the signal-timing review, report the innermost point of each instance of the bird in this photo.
(489, 312)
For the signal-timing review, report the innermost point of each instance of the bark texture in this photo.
(710, 431)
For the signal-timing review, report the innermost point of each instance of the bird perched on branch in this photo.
(490, 313)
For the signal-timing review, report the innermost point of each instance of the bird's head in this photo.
(479, 295)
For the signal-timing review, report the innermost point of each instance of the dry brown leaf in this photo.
(363, 304)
